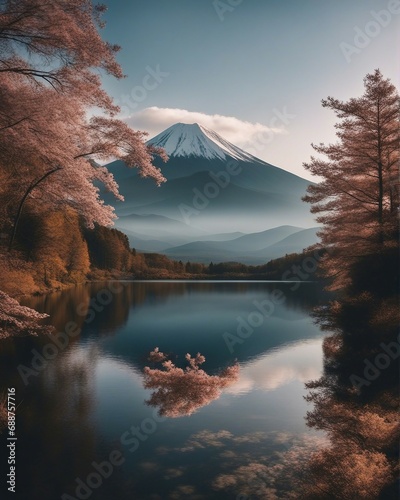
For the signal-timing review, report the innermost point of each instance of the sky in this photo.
(254, 71)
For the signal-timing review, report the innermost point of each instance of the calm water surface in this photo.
(87, 405)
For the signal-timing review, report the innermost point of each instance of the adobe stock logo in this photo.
(84, 488)
(139, 93)
(211, 190)
(246, 326)
(381, 362)
(372, 29)
(222, 7)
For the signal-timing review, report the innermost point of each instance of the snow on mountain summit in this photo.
(194, 140)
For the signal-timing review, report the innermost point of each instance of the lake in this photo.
(87, 426)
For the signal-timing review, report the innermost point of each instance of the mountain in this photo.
(246, 249)
(194, 140)
(159, 226)
(213, 188)
(263, 239)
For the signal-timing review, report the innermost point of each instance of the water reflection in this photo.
(299, 361)
(356, 403)
(177, 392)
(184, 317)
(250, 465)
(243, 425)
(57, 436)
(76, 303)
(57, 406)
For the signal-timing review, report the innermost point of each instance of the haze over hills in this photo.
(235, 250)
(214, 192)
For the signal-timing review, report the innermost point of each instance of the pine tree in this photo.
(358, 199)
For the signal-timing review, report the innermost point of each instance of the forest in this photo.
(59, 127)
(55, 229)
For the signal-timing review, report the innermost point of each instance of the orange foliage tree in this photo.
(358, 199)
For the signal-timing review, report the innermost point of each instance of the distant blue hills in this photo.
(219, 203)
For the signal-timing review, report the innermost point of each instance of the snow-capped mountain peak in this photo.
(194, 140)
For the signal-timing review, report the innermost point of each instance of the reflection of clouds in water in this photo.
(173, 473)
(149, 466)
(267, 474)
(179, 392)
(169, 473)
(219, 439)
(301, 361)
(186, 491)
(263, 465)
(246, 480)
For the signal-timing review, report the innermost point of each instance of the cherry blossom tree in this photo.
(16, 319)
(178, 392)
(56, 121)
(63, 37)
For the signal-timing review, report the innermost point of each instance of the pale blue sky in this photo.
(264, 56)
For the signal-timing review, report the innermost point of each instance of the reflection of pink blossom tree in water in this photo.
(19, 320)
(178, 392)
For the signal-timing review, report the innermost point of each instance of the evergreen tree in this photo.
(357, 201)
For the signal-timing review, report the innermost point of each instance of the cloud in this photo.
(300, 361)
(241, 133)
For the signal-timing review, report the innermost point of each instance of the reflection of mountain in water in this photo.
(78, 406)
(181, 317)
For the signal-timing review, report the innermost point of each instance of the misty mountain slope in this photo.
(139, 192)
(221, 237)
(167, 229)
(248, 243)
(233, 250)
(170, 233)
(188, 200)
(303, 239)
(203, 251)
(258, 241)
(146, 245)
(213, 188)
(257, 175)
(232, 198)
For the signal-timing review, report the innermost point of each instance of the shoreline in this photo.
(181, 279)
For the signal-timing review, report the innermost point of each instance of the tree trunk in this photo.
(380, 205)
(380, 176)
(17, 218)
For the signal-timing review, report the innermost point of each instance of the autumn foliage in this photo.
(57, 125)
(357, 200)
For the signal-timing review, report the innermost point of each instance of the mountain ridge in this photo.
(279, 244)
(206, 194)
(188, 140)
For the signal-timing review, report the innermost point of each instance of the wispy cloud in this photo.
(241, 133)
(299, 361)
